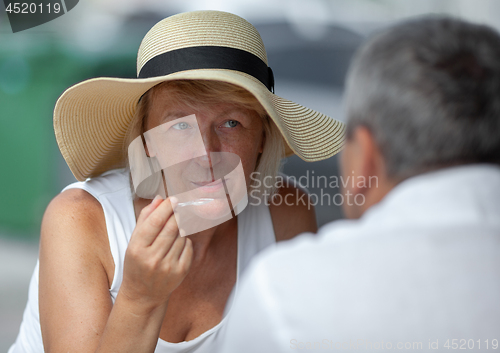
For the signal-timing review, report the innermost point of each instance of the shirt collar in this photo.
(465, 194)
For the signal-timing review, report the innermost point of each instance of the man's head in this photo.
(421, 96)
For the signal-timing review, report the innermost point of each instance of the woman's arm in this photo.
(76, 312)
(292, 212)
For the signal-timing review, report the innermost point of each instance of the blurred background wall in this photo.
(309, 44)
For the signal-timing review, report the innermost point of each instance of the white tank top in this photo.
(112, 190)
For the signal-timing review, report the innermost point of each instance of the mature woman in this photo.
(114, 273)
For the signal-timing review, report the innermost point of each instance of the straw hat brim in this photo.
(91, 119)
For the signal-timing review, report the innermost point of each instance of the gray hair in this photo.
(429, 92)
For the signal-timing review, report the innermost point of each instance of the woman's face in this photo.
(198, 146)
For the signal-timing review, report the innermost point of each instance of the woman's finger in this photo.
(163, 242)
(146, 211)
(176, 249)
(154, 223)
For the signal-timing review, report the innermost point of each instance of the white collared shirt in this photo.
(419, 270)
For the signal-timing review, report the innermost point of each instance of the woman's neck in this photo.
(212, 239)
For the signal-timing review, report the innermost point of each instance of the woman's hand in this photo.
(157, 257)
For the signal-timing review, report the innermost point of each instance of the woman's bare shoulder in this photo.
(291, 210)
(74, 209)
(74, 199)
(74, 223)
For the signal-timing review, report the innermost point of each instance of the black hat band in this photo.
(209, 57)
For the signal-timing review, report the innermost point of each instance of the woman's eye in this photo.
(181, 126)
(230, 123)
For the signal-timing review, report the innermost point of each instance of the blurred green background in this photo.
(35, 68)
(32, 76)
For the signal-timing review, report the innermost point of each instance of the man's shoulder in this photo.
(331, 234)
(310, 250)
(348, 280)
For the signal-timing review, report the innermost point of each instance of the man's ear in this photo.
(365, 156)
(364, 170)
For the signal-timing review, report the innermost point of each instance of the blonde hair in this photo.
(194, 92)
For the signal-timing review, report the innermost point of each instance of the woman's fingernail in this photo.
(174, 201)
(157, 197)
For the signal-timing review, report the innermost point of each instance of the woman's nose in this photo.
(212, 147)
(211, 141)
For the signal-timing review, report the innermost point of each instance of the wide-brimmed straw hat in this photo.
(91, 118)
